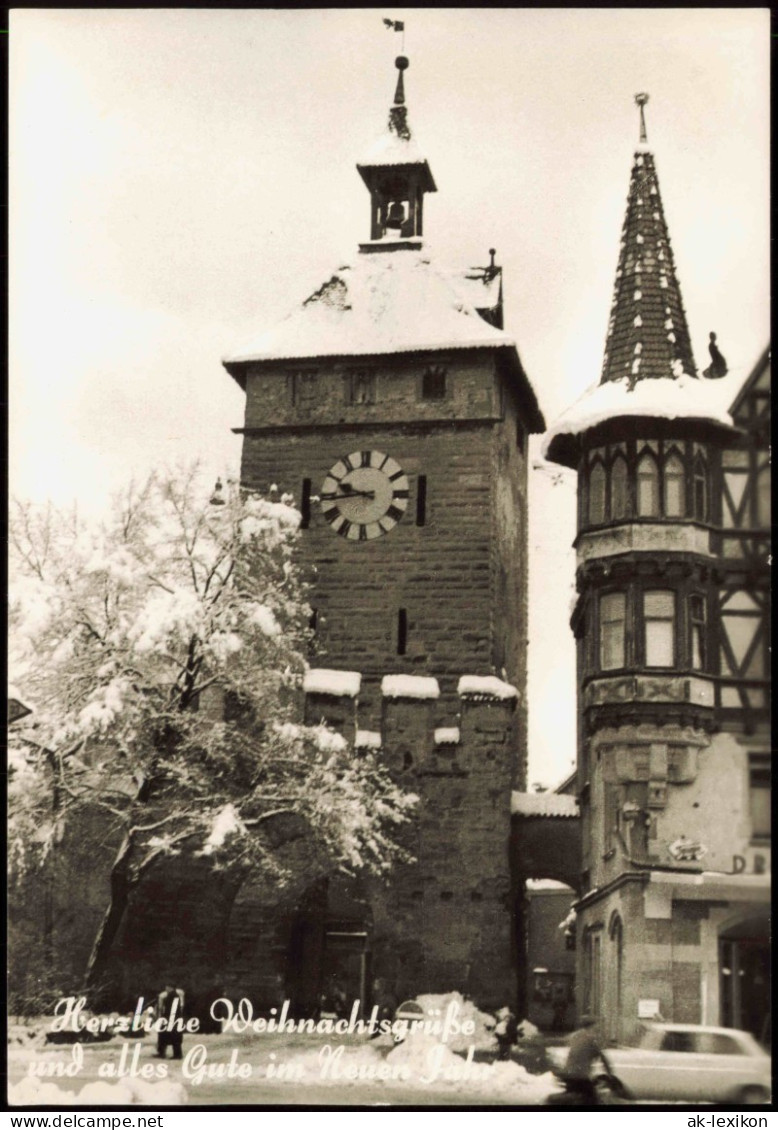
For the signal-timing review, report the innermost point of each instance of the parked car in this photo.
(693, 1062)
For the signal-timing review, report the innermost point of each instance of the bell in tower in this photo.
(397, 176)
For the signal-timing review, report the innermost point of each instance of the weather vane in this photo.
(641, 100)
(397, 25)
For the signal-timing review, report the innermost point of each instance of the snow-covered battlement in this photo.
(447, 735)
(367, 739)
(323, 680)
(409, 686)
(484, 687)
(410, 731)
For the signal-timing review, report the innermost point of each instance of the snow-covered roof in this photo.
(485, 686)
(479, 287)
(391, 149)
(383, 302)
(447, 735)
(683, 397)
(546, 885)
(367, 739)
(409, 686)
(322, 680)
(544, 804)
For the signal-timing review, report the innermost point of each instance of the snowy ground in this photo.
(261, 1069)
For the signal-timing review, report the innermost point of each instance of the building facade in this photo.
(393, 406)
(671, 625)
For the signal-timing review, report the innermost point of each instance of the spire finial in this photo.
(398, 113)
(641, 100)
(402, 64)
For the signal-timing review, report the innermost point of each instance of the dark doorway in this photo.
(345, 971)
(744, 965)
(329, 954)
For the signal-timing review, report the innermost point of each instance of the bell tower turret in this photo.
(397, 177)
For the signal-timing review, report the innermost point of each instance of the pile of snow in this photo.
(321, 680)
(349, 1066)
(485, 686)
(32, 1091)
(420, 1061)
(409, 686)
(436, 1005)
(426, 1057)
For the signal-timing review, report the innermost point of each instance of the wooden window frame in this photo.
(697, 622)
(623, 593)
(434, 383)
(759, 778)
(645, 620)
(367, 378)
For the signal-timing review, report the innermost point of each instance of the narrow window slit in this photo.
(421, 500)
(305, 505)
(402, 631)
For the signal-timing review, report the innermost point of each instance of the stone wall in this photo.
(461, 576)
(442, 922)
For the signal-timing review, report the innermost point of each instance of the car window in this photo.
(678, 1042)
(718, 1043)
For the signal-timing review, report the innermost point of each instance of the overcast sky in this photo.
(181, 177)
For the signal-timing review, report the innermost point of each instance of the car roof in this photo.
(662, 1027)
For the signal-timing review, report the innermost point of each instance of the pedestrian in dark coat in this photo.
(170, 1008)
(584, 1052)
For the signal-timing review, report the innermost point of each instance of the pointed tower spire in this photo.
(398, 114)
(397, 175)
(648, 336)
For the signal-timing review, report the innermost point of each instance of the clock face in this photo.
(364, 495)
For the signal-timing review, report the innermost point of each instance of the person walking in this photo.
(584, 1052)
(170, 1008)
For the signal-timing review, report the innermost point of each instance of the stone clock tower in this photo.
(393, 406)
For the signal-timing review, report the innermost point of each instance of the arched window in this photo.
(619, 489)
(616, 932)
(597, 494)
(700, 489)
(674, 487)
(648, 486)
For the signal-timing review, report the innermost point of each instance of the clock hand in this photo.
(350, 493)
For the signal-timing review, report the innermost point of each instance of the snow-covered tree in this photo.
(162, 652)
